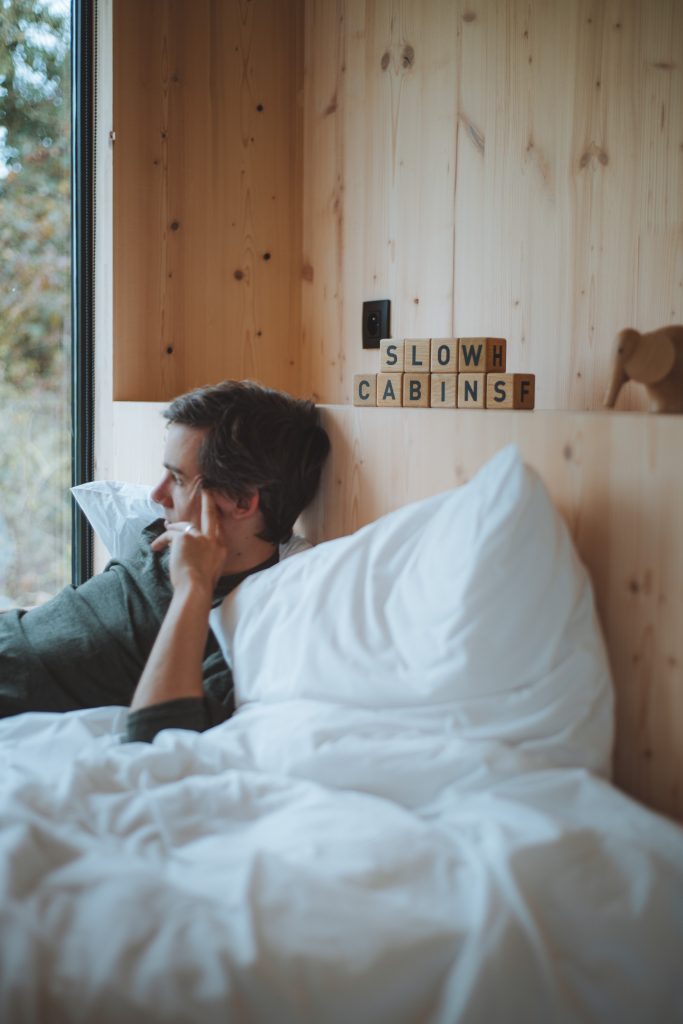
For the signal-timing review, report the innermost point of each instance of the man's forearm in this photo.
(174, 667)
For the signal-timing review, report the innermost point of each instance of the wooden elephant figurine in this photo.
(655, 360)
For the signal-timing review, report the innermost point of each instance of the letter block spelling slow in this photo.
(482, 355)
(416, 389)
(365, 389)
(510, 390)
(471, 390)
(389, 388)
(444, 358)
(416, 358)
(443, 390)
(391, 356)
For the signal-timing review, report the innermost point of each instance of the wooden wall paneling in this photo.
(565, 125)
(207, 194)
(379, 177)
(618, 482)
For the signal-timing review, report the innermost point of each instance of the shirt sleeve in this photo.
(195, 713)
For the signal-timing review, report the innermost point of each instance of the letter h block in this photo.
(482, 355)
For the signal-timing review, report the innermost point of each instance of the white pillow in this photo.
(118, 512)
(472, 601)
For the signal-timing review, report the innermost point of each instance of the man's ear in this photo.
(240, 508)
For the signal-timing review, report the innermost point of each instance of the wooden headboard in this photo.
(617, 478)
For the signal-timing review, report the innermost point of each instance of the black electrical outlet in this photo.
(375, 322)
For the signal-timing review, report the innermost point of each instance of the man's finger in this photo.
(163, 540)
(209, 514)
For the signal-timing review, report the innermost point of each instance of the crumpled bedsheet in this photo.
(316, 863)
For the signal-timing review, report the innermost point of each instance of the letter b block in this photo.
(389, 387)
(365, 389)
(416, 389)
(391, 356)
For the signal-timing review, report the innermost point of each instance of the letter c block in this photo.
(365, 389)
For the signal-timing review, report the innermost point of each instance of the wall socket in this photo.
(375, 322)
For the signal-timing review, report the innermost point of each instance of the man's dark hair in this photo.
(260, 440)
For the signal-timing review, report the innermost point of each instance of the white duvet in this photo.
(311, 862)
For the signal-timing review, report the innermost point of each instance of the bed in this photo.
(410, 818)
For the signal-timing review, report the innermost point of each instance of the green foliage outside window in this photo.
(34, 298)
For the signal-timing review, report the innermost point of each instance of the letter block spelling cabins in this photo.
(444, 373)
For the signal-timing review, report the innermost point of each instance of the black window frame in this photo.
(83, 123)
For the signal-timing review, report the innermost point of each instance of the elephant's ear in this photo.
(652, 358)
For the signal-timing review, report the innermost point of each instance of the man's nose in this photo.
(161, 494)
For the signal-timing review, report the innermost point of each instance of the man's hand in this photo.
(198, 553)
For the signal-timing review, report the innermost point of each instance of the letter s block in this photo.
(416, 390)
(389, 388)
(391, 355)
(500, 390)
(365, 389)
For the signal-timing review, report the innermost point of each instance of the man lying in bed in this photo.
(258, 454)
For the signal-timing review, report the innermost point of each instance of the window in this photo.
(35, 300)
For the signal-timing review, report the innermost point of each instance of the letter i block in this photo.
(443, 390)
(391, 355)
(416, 390)
(416, 358)
(389, 388)
(525, 390)
(365, 389)
(471, 390)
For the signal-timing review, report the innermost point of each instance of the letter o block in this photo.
(416, 390)
(444, 358)
(389, 388)
(365, 389)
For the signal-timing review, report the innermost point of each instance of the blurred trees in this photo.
(35, 300)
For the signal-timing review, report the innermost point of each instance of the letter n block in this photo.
(525, 390)
(365, 389)
(443, 390)
(416, 390)
(471, 390)
(391, 356)
(500, 392)
(416, 358)
(389, 388)
(444, 358)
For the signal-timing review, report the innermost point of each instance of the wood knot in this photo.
(266, 256)
(469, 16)
(408, 56)
(634, 586)
(169, 350)
(331, 106)
(259, 107)
(385, 61)
(307, 272)
(238, 275)
(175, 224)
(568, 452)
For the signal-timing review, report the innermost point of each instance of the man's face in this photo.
(178, 489)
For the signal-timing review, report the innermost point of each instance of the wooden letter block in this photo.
(443, 390)
(389, 388)
(482, 355)
(391, 356)
(365, 389)
(416, 355)
(525, 390)
(416, 390)
(471, 390)
(444, 355)
(500, 390)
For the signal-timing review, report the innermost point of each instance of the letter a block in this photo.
(389, 388)
(391, 356)
(365, 389)
(443, 390)
(444, 355)
(416, 390)
(471, 390)
(482, 355)
(416, 359)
